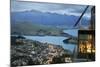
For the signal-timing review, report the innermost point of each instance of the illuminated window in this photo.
(86, 42)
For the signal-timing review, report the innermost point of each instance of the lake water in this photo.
(73, 32)
(57, 40)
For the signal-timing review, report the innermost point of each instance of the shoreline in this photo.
(60, 33)
(69, 38)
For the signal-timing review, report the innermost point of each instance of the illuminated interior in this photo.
(86, 45)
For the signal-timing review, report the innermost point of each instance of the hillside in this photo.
(27, 28)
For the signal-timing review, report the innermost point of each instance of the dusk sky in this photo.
(68, 9)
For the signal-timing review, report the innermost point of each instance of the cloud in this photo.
(72, 12)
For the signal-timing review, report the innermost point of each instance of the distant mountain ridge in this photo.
(45, 18)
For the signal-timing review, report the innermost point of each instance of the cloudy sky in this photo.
(68, 9)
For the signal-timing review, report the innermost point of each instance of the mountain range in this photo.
(41, 23)
(45, 18)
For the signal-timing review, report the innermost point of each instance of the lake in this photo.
(73, 32)
(56, 40)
